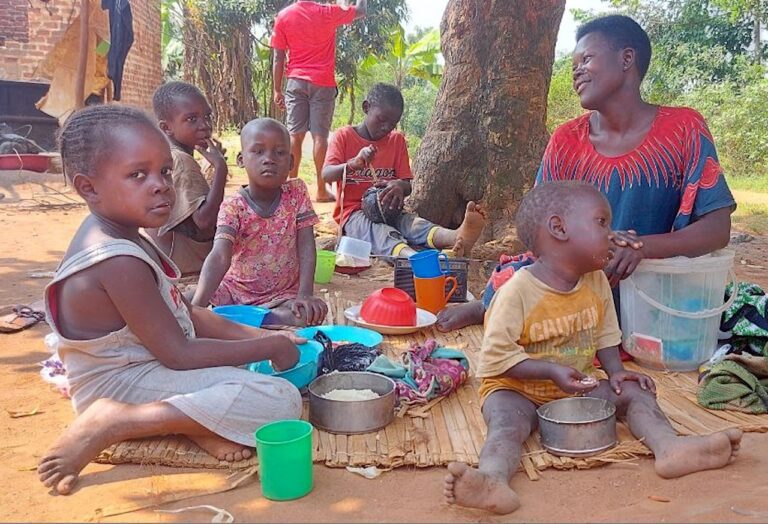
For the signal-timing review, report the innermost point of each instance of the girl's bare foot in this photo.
(222, 448)
(470, 229)
(467, 486)
(98, 427)
(691, 454)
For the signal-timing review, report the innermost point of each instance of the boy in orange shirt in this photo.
(372, 153)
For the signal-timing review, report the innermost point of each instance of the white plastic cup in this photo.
(355, 248)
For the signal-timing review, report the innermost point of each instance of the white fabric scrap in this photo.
(221, 516)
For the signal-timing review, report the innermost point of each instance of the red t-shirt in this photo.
(391, 162)
(307, 30)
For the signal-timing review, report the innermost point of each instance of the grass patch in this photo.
(752, 217)
(756, 184)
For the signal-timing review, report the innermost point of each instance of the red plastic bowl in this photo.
(13, 162)
(389, 306)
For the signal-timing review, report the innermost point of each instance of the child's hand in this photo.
(311, 310)
(627, 238)
(571, 380)
(213, 153)
(623, 263)
(285, 356)
(393, 195)
(363, 158)
(644, 381)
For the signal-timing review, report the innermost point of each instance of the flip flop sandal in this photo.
(16, 318)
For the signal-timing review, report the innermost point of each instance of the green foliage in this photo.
(738, 119)
(172, 50)
(562, 102)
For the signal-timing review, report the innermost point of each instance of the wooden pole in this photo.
(82, 61)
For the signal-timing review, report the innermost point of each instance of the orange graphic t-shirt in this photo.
(391, 162)
(528, 319)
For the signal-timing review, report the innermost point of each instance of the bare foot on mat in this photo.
(96, 428)
(222, 448)
(691, 454)
(466, 486)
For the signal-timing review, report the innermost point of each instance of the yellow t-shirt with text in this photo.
(529, 319)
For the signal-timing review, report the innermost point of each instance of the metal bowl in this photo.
(351, 417)
(577, 426)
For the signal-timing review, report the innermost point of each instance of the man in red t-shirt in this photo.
(306, 33)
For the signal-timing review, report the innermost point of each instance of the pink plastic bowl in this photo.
(13, 162)
(389, 306)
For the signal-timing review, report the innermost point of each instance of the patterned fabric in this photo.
(730, 386)
(427, 372)
(747, 315)
(670, 180)
(265, 261)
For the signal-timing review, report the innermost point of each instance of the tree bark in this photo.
(487, 132)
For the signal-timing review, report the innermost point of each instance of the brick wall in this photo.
(29, 29)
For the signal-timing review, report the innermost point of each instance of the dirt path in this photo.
(35, 237)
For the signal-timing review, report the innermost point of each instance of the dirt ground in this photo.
(34, 238)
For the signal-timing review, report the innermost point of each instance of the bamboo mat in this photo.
(451, 429)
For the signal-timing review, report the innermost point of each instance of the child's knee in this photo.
(288, 400)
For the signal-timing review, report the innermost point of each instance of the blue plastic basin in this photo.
(249, 315)
(351, 334)
(300, 375)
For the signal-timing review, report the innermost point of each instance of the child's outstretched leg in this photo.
(462, 239)
(675, 455)
(510, 418)
(107, 422)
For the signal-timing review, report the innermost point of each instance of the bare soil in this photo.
(34, 238)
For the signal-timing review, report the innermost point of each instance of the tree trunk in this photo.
(487, 132)
(758, 41)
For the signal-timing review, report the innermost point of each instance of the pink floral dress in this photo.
(265, 259)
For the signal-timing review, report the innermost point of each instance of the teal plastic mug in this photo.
(284, 449)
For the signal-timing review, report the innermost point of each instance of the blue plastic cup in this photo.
(426, 264)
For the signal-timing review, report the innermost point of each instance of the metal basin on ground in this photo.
(356, 416)
(577, 426)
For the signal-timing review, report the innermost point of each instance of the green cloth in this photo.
(750, 298)
(728, 385)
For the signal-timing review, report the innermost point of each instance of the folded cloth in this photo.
(426, 372)
(730, 386)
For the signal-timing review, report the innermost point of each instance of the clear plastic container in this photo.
(671, 309)
(353, 252)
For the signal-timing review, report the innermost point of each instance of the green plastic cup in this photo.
(285, 459)
(326, 263)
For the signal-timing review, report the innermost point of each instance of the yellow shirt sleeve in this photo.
(608, 333)
(503, 326)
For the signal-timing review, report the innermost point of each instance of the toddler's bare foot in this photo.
(470, 229)
(98, 427)
(222, 448)
(691, 454)
(466, 486)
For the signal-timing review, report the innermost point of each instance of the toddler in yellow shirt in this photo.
(542, 331)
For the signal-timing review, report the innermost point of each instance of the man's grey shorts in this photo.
(309, 107)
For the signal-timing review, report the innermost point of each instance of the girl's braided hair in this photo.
(85, 137)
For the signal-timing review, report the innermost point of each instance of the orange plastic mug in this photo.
(430, 292)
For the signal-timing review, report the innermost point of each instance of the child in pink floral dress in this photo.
(264, 248)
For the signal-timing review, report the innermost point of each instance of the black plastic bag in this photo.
(346, 357)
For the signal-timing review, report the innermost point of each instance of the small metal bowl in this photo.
(351, 417)
(577, 426)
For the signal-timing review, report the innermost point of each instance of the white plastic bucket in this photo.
(671, 309)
